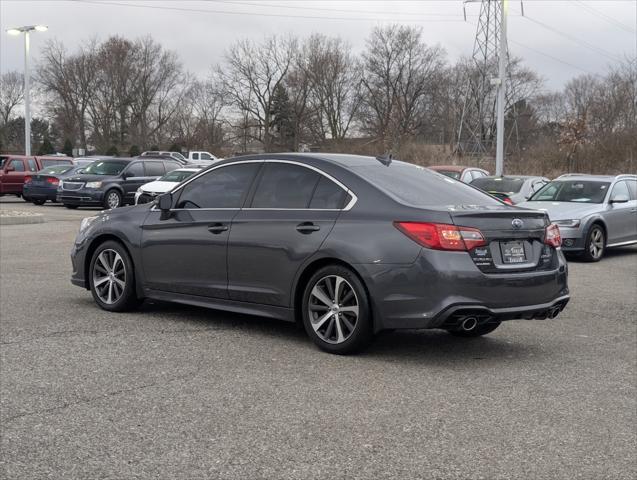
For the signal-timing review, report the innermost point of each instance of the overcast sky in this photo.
(558, 38)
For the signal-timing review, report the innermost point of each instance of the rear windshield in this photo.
(176, 176)
(55, 169)
(580, 191)
(420, 187)
(106, 167)
(499, 184)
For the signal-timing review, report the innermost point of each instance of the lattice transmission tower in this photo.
(477, 132)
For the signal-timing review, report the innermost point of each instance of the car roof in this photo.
(521, 177)
(187, 169)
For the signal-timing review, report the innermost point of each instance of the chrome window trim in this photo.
(347, 207)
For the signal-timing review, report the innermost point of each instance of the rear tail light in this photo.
(27, 179)
(53, 181)
(440, 236)
(507, 200)
(552, 236)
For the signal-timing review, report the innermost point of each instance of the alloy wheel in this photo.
(109, 276)
(112, 200)
(597, 243)
(333, 309)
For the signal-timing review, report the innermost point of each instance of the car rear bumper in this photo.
(39, 193)
(440, 285)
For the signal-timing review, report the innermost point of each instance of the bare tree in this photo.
(11, 94)
(398, 77)
(250, 77)
(335, 81)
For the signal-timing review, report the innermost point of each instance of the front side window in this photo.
(283, 185)
(154, 169)
(32, 165)
(620, 189)
(205, 156)
(224, 187)
(580, 191)
(18, 165)
(136, 170)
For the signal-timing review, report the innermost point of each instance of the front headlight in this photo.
(86, 223)
(568, 223)
(93, 184)
(140, 191)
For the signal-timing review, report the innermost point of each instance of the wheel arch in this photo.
(96, 242)
(598, 220)
(310, 269)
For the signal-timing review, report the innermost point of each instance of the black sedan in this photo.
(43, 185)
(347, 245)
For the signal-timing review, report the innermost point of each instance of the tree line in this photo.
(283, 93)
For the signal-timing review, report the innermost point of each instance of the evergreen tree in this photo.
(113, 151)
(175, 148)
(134, 151)
(46, 147)
(68, 148)
(282, 118)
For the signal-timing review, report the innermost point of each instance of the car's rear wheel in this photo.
(478, 331)
(112, 278)
(38, 202)
(112, 199)
(595, 244)
(336, 312)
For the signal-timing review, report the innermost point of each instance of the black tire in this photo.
(112, 199)
(337, 323)
(595, 245)
(480, 330)
(123, 270)
(38, 202)
(71, 207)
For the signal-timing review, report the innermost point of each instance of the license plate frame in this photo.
(513, 252)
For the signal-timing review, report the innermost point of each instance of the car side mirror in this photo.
(165, 202)
(621, 198)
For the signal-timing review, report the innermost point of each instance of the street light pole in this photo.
(27, 80)
(502, 61)
(27, 98)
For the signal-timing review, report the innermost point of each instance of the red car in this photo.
(14, 169)
(464, 174)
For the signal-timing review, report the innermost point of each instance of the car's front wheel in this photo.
(595, 244)
(336, 312)
(112, 278)
(112, 199)
(38, 202)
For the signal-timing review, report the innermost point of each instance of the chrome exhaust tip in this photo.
(469, 324)
(554, 312)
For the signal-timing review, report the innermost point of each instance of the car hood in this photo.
(158, 186)
(564, 210)
(90, 178)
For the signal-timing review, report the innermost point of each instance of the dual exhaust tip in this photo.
(471, 322)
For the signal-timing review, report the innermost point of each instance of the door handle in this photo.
(217, 228)
(307, 227)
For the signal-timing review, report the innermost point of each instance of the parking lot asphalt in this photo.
(177, 392)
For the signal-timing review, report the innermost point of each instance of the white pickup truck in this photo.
(199, 156)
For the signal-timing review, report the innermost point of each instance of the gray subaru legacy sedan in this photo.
(348, 245)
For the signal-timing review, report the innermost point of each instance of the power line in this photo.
(257, 14)
(608, 18)
(581, 42)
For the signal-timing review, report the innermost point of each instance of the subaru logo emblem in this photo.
(517, 223)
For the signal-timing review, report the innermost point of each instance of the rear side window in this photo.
(32, 165)
(170, 166)
(285, 186)
(417, 186)
(154, 169)
(18, 165)
(195, 156)
(632, 186)
(328, 195)
(224, 187)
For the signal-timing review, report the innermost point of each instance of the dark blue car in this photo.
(43, 185)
